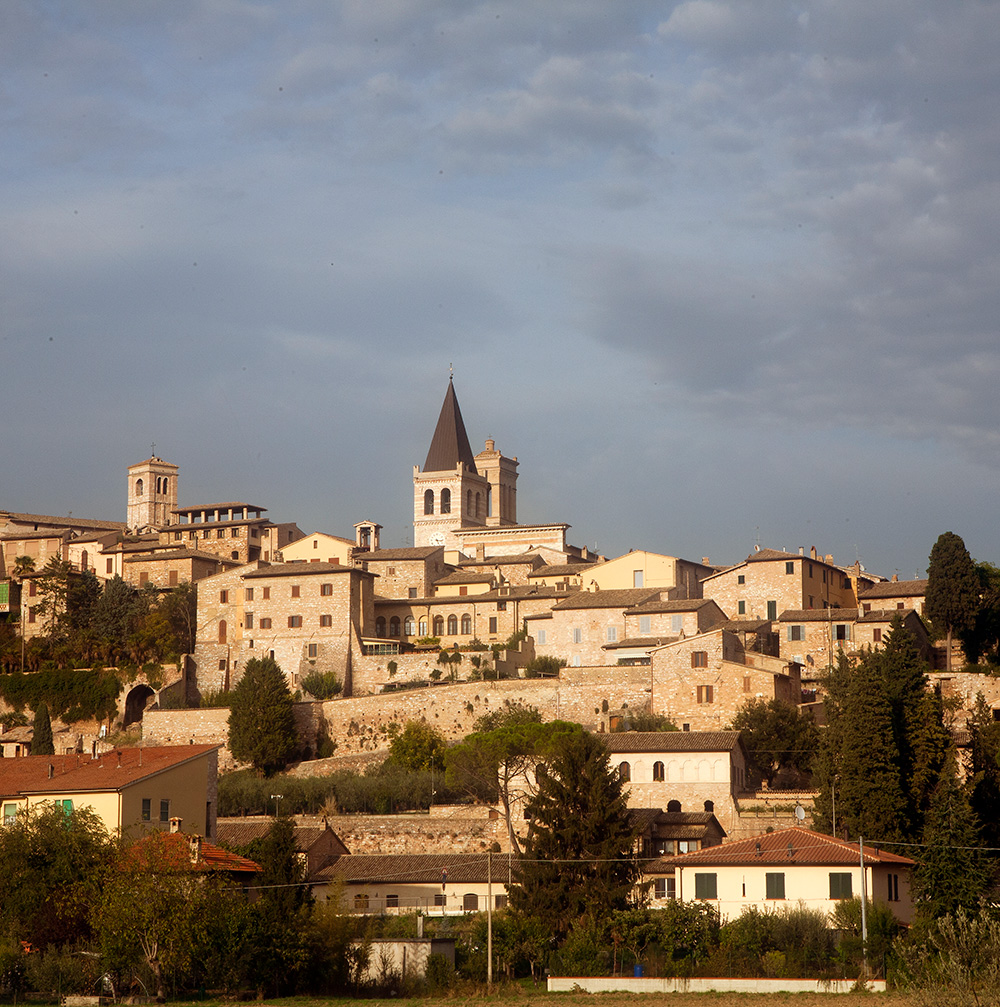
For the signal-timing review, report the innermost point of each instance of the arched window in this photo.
(423, 627)
(479, 505)
(380, 626)
(84, 560)
(466, 625)
(222, 630)
(429, 502)
(439, 625)
(164, 484)
(468, 502)
(408, 626)
(658, 771)
(624, 772)
(710, 805)
(394, 626)
(452, 625)
(673, 806)
(470, 902)
(138, 487)
(489, 501)
(445, 501)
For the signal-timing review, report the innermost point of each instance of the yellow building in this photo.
(130, 789)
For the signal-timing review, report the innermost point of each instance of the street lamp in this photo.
(276, 798)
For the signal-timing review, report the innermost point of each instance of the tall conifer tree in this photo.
(261, 721)
(951, 601)
(41, 736)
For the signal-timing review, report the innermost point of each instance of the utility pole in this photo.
(489, 919)
(864, 910)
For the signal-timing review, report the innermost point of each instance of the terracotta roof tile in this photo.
(415, 552)
(299, 569)
(414, 867)
(671, 741)
(621, 598)
(895, 589)
(818, 615)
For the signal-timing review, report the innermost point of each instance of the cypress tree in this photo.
(577, 858)
(261, 721)
(983, 769)
(41, 738)
(951, 601)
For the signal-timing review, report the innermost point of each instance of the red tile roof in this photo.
(181, 852)
(81, 773)
(789, 846)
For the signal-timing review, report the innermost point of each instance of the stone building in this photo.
(897, 594)
(152, 494)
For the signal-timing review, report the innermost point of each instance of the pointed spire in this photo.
(450, 444)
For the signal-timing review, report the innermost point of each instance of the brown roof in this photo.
(415, 552)
(674, 824)
(895, 589)
(769, 555)
(558, 569)
(883, 614)
(65, 522)
(671, 741)
(640, 641)
(301, 569)
(162, 555)
(240, 832)
(789, 846)
(404, 868)
(465, 577)
(528, 558)
(818, 615)
(521, 591)
(450, 443)
(223, 505)
(621, 598)
(744, 625)
(682, 605)
(111, 771)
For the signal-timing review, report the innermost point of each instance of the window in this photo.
(360, 901)
(790, 566)
(499, 901)
(842, 631)
(295, 591)
(673, 806)
(9, 814)
(893, 880)
(664, 888)
(637, 578)
(687, 845)
(313, 649)
(429, 502)
(840, 886)
(408, 626)
(165, 811)
(394, 626)
(772, 610)
(222, 630)
(267, 593)
(445, 501)
(265, 623)
(31, 615)
(411, 592)
(453, 625)
(645, 624)
(577, 634)
(876, 635)
(774, 886)
(796, 632)
(143, 579)
(463, 590)
(248, 620)
(705, 693)
(222, 664)
(746, 683)
(706, 886)
(221, 533)
(501, 606)
(110, 567)
(741, 608)
(248, 594)
(439, 898)
(658, 773)
(699, 658)
(493, 623)
(624, 772)
(235, 533)
(741, 578)
(541, 637)
(423, 627)
(466, 625)
(138, 487)
(676, 623)
(380, 626)
(326, 590)
(295, 622)
(172, 578)
(326, 621)
(612, 634)
(470, 902)
(147, 809)
(439, 625)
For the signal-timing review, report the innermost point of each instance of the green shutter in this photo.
(706, 886)
(774, 885)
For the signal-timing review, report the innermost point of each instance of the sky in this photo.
(719, 273)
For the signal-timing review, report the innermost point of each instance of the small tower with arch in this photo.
(152, 493)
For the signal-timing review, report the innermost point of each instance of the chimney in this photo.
(895, 578)
(194, 844)
(119, 754)
(175, 824)
(829, 558)
(52, 770)
(812, 552)
(704, 561)
(802, 550)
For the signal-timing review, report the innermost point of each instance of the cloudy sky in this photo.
(718, 272)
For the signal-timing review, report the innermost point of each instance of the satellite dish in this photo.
(800, 812)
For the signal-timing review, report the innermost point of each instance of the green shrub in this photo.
(216, 699)
(322, 684)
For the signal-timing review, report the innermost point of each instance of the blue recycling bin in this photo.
(638, 971)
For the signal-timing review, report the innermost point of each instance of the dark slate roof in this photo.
(450, 443)
(671, 741)
(894, 589)
(623, 598)
(415, 552)
(301, 569)
(807, 847)
(406, 868)
(818, 615)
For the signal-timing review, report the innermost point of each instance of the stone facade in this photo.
(152, 493)
(319, 548)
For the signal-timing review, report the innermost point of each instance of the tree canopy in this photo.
(951, 601)
(578, 855)
(418, 746)
(261, 720)
(777, 737)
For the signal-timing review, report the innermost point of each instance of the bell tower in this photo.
(450, 493)
(152, 494)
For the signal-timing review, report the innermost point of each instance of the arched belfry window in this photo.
(138, 487)
(468, 502)
(429, 502)
(445, 501)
